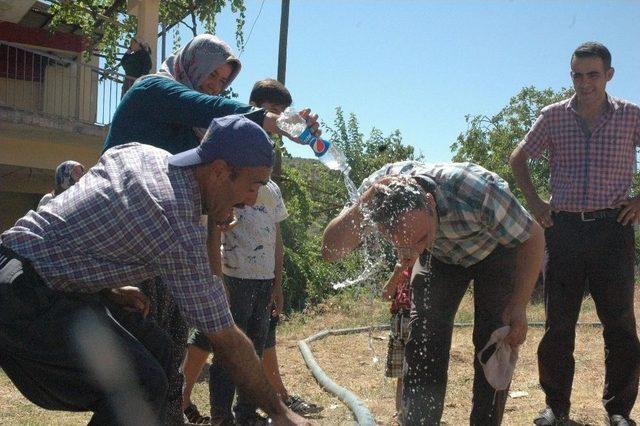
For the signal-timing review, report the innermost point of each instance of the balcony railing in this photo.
(41, 83)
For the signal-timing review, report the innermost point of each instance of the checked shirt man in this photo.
(134, 215)
(475, 229)
(590, 140)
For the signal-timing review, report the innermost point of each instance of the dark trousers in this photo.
(601, 253)
(250, 303)
(165, 313)
(65, 351)
(436, 296)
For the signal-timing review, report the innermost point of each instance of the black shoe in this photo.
(619, 420)
(547, 417)
(302, 407)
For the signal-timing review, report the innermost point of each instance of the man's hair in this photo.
(593, 49)
(392, 200)
(270, 90)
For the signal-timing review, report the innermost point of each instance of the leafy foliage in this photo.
(489, 141)
(366, 156)
(108, 27)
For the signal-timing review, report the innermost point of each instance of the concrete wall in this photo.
(70, 91)
(14, 205)
(31, 147)
(26, 95)
(66, 91)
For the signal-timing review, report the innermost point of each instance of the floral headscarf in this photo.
(202, 55)
(64, 177)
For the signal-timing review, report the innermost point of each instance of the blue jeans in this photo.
(67, 351)
(250, 303)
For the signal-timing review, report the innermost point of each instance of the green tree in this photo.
(489, 141)
(366, 155)
(107, 26)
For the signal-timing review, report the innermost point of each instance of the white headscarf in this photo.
(195, 61)
(201, 56)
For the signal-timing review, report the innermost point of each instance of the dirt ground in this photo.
(357, 363)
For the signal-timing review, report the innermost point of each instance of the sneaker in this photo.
(619, 420)
(302, 407)
(547, 417)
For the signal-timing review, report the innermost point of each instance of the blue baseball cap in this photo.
(235, 139)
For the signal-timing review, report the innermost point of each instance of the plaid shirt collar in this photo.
(612, 104)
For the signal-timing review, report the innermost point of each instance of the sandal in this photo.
(302, 407)
(194, 417)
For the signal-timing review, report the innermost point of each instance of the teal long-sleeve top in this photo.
(162, 112)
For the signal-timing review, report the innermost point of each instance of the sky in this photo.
(421, 66)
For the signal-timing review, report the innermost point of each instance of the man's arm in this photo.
(540, 209)
(342, 234)
(237, 355)
(528, 263)
(277, 295)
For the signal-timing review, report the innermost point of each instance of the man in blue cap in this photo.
(133, 216)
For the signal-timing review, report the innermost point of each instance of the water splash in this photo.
(372, 248)
(352, 190)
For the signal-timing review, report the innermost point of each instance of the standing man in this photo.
(590, 140)
(133, 216)
(475, 229)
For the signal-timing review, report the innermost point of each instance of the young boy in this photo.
(251, 265)
(398, 290)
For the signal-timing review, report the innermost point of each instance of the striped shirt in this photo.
(130, 218)
(589, 170)
(476, 209)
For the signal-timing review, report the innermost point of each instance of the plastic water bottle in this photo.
(328, 153)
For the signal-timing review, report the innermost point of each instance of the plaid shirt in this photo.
(588, 172)
(130, 218)
(476, 209)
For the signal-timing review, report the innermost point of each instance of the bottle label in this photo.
(320, 146)
(306, 137)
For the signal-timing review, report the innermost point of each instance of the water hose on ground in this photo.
(358, 408)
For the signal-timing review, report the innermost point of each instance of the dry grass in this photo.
(357, 362)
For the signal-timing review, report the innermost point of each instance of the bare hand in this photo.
(630, 211)
(396, 278)
(516, 318)
(229, 224)
(312, 121)
(541, 211)
(130, 298)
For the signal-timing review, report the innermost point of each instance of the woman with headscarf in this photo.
(67, 174)
(172, 110)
